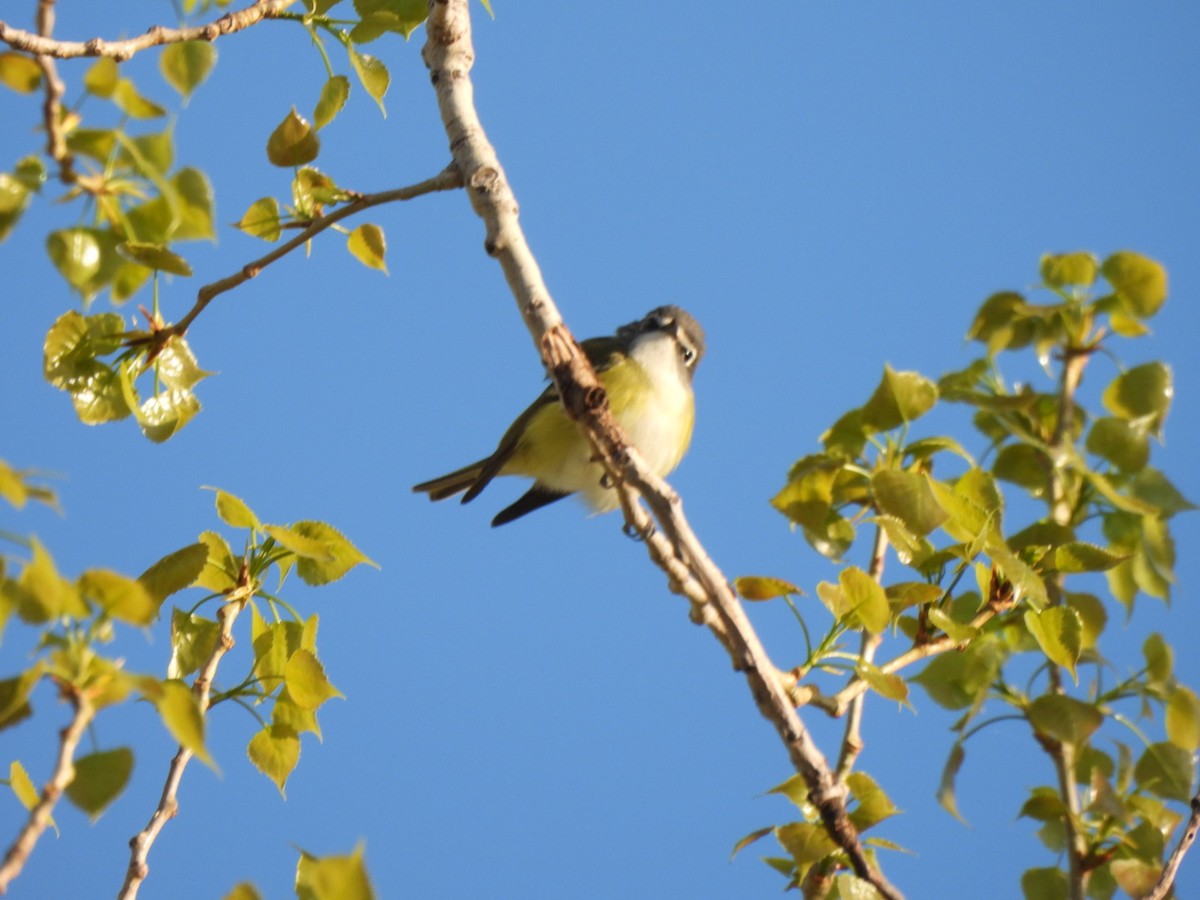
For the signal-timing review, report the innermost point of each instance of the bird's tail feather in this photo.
(452, 483)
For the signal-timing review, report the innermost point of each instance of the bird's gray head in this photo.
(675, 321)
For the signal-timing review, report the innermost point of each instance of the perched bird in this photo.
(646, 369)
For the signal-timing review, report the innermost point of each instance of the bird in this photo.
(646, 369)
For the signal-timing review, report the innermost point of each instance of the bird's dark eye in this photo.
(687, 353)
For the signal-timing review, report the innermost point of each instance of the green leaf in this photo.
(75, 252)
(1166, 771)
(368, 245)
(303, 546)
(177, 366)
(185, 65)
(14, 696)
(749, 839)
(243, 891)
(234, 512)
(156, 257)
(275, 750)
(44, 595)
(1058, 631)
(220, 572)
(1062, 269)
(959, 680)
(163, 415)
(1142, 393)
(180, 711)
(333, 877)
(1001, 324)
(1044, 805)
(132, 103)
(19, 73)
(193, 639)
(907, 496)
(1183, 719)
(333, 97)
(1122, 443)
(885, 684)
(293, 142)
(122, 598)
(807, 843)
(373, 75)
(1044, 884)
(1140, 282)
(945, 791)
(873, 804)
(1160, 660)
(344, 555)
(1152, 487)
(1136, 877)
(1092, 616)
(101, 77)
(763, 587)
(1063, 718)
(24, 790)
(1078, 556)
(261, 220)
(174, 572)
(1024, 465)
(866, 599)
(306, 682)
(99, 779)
(899, 398)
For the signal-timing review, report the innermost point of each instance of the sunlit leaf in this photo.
(1183, 719)
(243, 891)
(333, 97)
(19, 73)
(907, 497)
(220, 572)
(174, 572)
(885, 684)
(1136, 877)
(233, 510)
(1062, 269)
(1121, 442)
(373, 75)
(900, 397)
(156, 257)
(368, 245)
(163, 415)
(306, 681)
(24, 790)
(261, 220)
(945, 791)
(14, 696)
(101, 77)
(344, 555)
(1140, 282)
(275, 750)
(1044, 804)
(99, 779)
(185, 65)
(294, 142)
(1078, 556)
(180, 711)
(1044, 884)
(125, 95)
(122, 598)
(1143, 392)
(1058, 631)
(333, 877)
(75, 252)
(193, 639)
(44, 594)
(763, 587)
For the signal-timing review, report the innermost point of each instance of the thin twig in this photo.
(44, 45)
(1171, 869)
(56, 141)
(168, 804)
(852, 742)
(447, 179)
(449, 55)
(64, 773)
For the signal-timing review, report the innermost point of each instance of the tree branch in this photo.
(44, 45)
(56, 141)
(64, 773)
(168, 804)
(446, 180)
(1171, 869)
(449, 55)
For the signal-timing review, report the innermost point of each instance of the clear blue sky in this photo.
(528, 712)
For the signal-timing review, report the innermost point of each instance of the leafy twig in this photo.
(64, 773)
(1171, 869)
(449, 55)
(168, 804)
(44, 45)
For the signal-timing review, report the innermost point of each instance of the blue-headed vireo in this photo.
(646, 370)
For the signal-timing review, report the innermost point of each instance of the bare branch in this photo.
(43, 45)
(56, 141)
(168, 804)
(449, 55)
(64, 773)
(1171, 869)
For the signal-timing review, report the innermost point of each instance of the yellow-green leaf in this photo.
(14, 696)
(156, 257)
(763, 587)
(101, 77)
(44, 595)
(220, 572)
(1143, 392)
(179, 709)
(19, 72)
(301, 545)
(24, 790)
(133, 104)
(369, 246)
(866, 599)
(185, 65)
(294, 142)
(885, 684)
(175, 571)
(164, 414)
(1061, 269)
(1183, 719)
(192, 641)
(243, 891)
(306, 682)
(333, 877)
(1064, 718)
(1140, 282)
(75, 252)
(333, 98)
(900, 397)
(121, 597)
(234, 511)
(99, 779)
(261, 220)
(345, 556)
(373, 75)
(1058, 631)
(1166, 771)
(907, 496)
(275, 750)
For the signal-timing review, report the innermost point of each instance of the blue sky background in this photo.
(827, 187)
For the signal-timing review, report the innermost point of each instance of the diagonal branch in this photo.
(449, 55)
(446, 180)
(239, 20)
(168, 804)
(1171, 869)
(64, 773)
